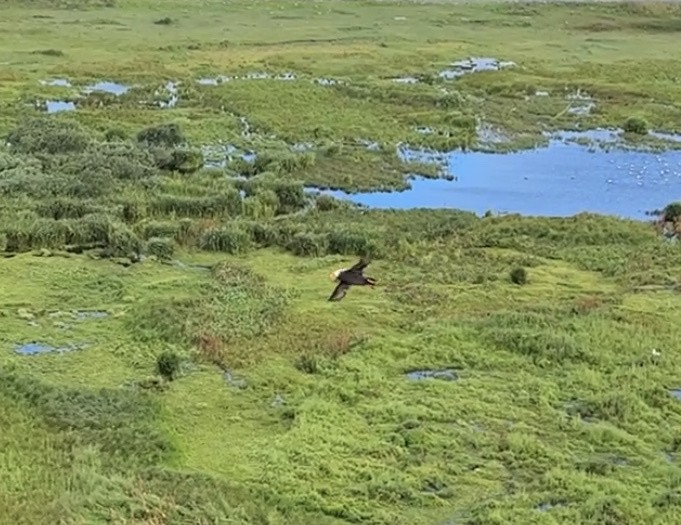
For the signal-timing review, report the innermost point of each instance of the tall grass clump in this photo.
(227, 204)
(348, 242)
(308, 244)
(232, 239)
(161, 247)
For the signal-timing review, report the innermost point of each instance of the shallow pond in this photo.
(55, 106)
(108, 87)
(561, 179)
(473, 65)
(34, 347)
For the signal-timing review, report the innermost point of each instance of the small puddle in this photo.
(369, 144)
(302, 146)
(34, 347)
(55, 106)
(286, 76)
(445, 374)
(326, 81)
(473, 65)
(82, 315)
(676, 392)
(255, 76)
(236, 382)
(405, 80)
(278, 401)
(213, 81)
(107, 87)
(218, 156)
(56, 82)
(566, 177)
(547, 506)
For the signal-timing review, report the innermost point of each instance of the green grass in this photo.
(288, 408)
(559, 399)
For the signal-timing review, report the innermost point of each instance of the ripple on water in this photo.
(561, 179)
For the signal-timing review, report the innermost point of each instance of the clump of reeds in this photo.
(161, 247)
(231, 239)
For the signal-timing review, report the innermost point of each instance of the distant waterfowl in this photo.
(347, 277)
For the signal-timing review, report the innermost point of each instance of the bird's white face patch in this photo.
(334, 275)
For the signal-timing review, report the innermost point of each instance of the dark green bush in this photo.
(180, 160)
(115, 134)
(164, 135)
(328, 203)
(291, 197)
(122, 242)
(161, 247)
(672, 212)
(519, 276)
(263, 234)
(637, 125)
(168, 365)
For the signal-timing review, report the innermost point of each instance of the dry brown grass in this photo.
(211, 348)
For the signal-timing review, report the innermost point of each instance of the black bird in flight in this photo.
(347, 277)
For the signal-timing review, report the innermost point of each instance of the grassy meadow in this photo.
(167, 251)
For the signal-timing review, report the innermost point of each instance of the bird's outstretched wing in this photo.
(339, 292)
(359, 267)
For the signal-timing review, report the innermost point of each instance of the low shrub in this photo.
(161, 247)
(519, 276)
(168, 365)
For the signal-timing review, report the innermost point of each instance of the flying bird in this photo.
(347, 277)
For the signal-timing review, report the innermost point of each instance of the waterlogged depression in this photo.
(564, 178)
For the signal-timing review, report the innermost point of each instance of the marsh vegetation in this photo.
(167, 353)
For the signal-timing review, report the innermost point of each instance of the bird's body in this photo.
(347, 277)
